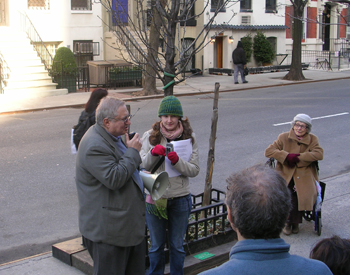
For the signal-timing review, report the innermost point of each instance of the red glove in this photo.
(173, 157)
(292, 159)
(158, 150)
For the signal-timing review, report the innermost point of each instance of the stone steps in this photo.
(27, 76)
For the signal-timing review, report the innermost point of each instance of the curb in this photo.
(81, 105)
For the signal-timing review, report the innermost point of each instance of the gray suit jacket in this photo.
(111, 203)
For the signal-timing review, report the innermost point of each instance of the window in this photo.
(190, 21)
(81, 5)
(270, 6)
(246, 6)
(217, 5)
(186, 43)
(85, 50)
(273, 42)
(120, 12)
(39, 4)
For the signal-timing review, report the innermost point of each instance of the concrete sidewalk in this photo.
(335, 218)
(192, 86)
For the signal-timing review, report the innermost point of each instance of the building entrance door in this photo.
(219, 50)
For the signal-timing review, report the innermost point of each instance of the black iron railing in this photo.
(324, 60)
(123, 76)
(208, 225)
(35, 39)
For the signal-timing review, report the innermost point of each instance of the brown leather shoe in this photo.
(287, 230)
(295, 228)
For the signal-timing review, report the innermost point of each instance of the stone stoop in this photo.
(73, 253)
(27, 76)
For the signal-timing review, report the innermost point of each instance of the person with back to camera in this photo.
(110, 193)
(173, 209)
(296, 152)
(89, 111)
(335, 253)
(239, 62)
(258, 204)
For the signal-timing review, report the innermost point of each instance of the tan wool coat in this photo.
(305, 172)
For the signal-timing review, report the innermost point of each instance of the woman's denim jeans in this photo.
(179, 210)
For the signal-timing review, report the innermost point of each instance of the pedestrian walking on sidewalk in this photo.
(111, 193)
(296, 152)
(173, 209)
(239, 62)
(258, 203)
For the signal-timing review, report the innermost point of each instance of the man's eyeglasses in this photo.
(125, 119)
(300, 126)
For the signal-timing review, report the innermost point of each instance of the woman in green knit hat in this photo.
(172, 210)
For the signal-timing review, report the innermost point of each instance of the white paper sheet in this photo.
(183, 148)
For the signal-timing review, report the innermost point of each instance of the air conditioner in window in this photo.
(246, 20)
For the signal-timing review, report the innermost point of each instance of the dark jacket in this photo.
(111, 203)
(238, 55)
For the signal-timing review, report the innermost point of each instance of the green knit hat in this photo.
(170, 105)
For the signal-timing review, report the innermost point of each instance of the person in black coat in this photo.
(239, 62)
(88, 115)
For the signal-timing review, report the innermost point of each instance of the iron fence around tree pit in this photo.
(208, 225)
(323, 60)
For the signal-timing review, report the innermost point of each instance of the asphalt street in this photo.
(337, 193)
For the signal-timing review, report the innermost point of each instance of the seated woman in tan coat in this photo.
(296, 152)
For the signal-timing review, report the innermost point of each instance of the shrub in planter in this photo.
(64, 69)
(247, 42)
(263, 51)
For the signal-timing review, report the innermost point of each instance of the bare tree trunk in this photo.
(149, 87)
(296, 70)
(211, 153)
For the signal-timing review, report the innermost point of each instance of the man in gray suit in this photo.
(110, 193)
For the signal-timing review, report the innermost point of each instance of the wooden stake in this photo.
(211, 152)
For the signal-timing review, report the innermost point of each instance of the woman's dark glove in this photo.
(292, 159)
(158, 150)
(173, 157)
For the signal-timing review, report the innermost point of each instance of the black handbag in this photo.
(246, 71)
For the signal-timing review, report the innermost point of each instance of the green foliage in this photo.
(64, 59)
(263, 51)
(247, 42)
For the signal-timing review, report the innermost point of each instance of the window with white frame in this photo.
(217, 5)
(81, 5)
(39, 4)
(270, 6)
(246, 6)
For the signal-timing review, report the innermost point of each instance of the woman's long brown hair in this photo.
(156, 135)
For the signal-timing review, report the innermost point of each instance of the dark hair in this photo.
(259, 200)
(94, 99)
(156, 135)
(335, 253)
